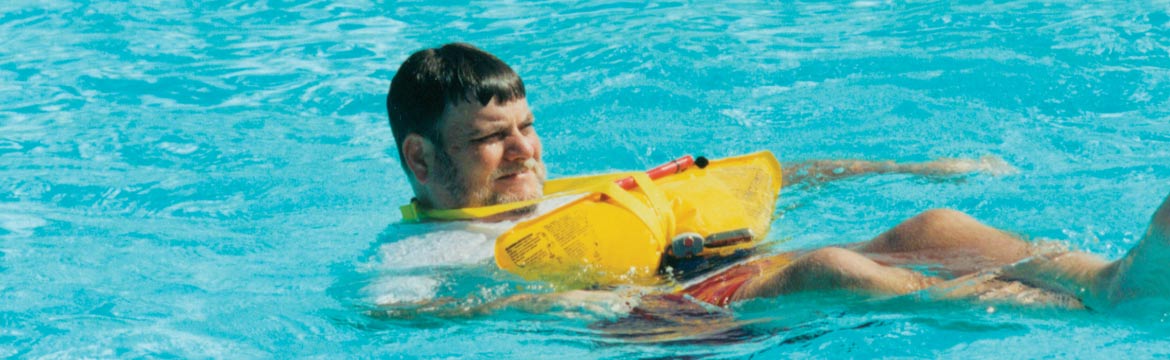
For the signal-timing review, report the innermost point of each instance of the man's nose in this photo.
(519, 146)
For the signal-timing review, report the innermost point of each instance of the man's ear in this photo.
(418, 153)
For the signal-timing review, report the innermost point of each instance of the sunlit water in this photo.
(217, 179)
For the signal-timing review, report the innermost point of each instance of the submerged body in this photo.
(467, 139)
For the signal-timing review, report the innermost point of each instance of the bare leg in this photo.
(1143, 273)
(948, 238)
(834, 268)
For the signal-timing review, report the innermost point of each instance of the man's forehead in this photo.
(472, 114)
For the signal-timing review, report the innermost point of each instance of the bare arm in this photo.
(574, 303)
(818, 171)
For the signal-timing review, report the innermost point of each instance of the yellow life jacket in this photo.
(611, 235)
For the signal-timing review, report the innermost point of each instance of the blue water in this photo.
(213, 179)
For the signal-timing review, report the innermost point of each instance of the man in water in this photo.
(467, 138)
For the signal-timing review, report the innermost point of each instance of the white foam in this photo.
(439, 248)
(178, 148)
(428, 249)
(399, 289)
(20, 223)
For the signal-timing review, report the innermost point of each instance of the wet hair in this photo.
(431, 79)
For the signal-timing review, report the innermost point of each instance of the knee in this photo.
(835, 269)
(928, 230)
(933, 222)
(938, 218)
(830, 268)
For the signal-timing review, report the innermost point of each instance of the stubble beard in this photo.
(464, 192)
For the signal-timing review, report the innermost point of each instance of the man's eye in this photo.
(493, 137)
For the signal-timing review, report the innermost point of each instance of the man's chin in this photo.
(518, 192)
(503, 198)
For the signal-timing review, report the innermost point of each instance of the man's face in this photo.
(491, 155)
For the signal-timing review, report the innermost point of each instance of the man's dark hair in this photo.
(432, 78)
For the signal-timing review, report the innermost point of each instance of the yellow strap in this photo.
(587, 182)
(413, 212)
(650, 215)
(659, 203)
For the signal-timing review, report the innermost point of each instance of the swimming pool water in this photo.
(208, 179)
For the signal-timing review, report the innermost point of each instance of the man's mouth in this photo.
(515, 171)
(513, 175)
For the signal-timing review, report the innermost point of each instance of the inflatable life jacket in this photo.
(626, 226)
